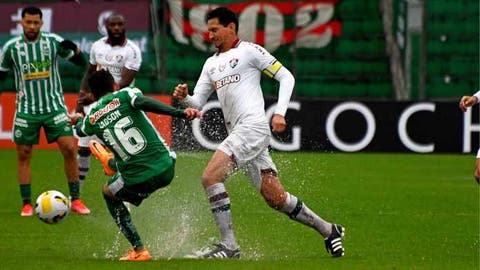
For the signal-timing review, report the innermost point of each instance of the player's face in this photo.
(116, 27)
(220, 36)
(31, 26)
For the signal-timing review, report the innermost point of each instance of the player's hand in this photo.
(278, 123)
(69, 45)
(467, 101)
(181, 91)
(73, 118)
(191, 113)
(86, 97)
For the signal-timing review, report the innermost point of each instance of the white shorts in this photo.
(478, 153)
(83, 141)
(250, 151)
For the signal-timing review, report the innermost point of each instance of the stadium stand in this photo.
(452, 48)
(353, 64)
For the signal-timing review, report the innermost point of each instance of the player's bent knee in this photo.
(68, 151)
(208, 180)
(107, 194)
(24, 154)
(275, 201)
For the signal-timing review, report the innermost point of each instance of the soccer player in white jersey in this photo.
(465, 102)
(122, 58)
(33, 56)
(234, 72)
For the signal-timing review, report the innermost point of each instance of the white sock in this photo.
(220, 206)
(298, 211)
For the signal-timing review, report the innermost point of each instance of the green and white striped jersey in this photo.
(140, 151)
(37, 78)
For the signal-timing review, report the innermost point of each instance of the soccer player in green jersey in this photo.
(122, 58)
(33, 56)
(144, 163)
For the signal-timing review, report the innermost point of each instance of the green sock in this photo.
(124, 221)
(74, 188)
(112, 164)
(25, 193)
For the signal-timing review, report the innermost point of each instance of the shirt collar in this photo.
(235, 44)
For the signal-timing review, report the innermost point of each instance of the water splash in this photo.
(112, 252)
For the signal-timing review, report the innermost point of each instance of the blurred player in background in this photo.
(122, 58)
(144, 162)
(465, 102)
(234, 73)
(40, 102)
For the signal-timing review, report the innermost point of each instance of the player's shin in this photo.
(124, 222)
(25, 193)
(74, 188)
(220, 206)
(83, 164)
(298, 211)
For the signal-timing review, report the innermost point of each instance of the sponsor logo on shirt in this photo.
(36, 65)
(226, 80)
(112, 105)
(112, 69)
(36, 75)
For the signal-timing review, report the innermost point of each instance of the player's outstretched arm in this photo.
(78, 58)
(191, 113)
(74, 118)
(151, 105)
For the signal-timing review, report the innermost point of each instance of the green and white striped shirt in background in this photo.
(37, 78)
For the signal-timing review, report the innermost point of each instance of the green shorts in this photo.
(136, 193)
(26, 127)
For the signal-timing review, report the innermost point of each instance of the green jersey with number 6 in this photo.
(37, 79)
(140, 151)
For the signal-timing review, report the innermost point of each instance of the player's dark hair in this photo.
(32, 11)
(100, 83)
(224, 15)
(115, 15)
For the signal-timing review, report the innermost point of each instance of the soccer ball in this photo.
(52, 207)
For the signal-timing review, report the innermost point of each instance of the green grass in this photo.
(401, 211)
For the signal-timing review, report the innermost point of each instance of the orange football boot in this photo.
(139, 255)
(103, 154)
